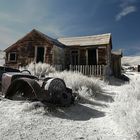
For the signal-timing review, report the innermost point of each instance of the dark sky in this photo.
(65, 18)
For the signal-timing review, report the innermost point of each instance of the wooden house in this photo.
(88, 51)
(90, 55)
(35, 47)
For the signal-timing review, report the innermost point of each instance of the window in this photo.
(12, 56)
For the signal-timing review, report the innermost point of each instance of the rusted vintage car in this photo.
(24, 86)
(6, 69)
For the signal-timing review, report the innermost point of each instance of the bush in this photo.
(39, 69)
(79, 83)
(83, 85)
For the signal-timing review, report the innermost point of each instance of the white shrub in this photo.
(39, 69)
(78, 82)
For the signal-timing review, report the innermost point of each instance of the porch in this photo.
(93, 55)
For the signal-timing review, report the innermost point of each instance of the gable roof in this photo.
(34, 31)
(54, 41)
(117, 52)
(102, 39)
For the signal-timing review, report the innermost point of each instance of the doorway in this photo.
(74, 57)
(92, 57)
(40, 54)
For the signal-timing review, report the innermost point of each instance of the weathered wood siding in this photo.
(116, 65)
(25, 50)
(58, 55)
(102, 55)
(24, 55)
(49, 54)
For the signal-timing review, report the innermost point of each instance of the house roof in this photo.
(117, 52)
(86, 40)
(34, 31)
(54, 41)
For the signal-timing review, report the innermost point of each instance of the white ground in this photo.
(97, 119)
(113, 114)
(131, 60)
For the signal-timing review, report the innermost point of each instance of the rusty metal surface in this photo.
(6, 69)
(8, 77)
(23, 88)
(17, 86)
(57, 91)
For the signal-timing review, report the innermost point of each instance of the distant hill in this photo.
(131, 60)
(2, 55)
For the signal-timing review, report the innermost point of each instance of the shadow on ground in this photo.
(77, 112)
(84, 100)
(104, 97)
(123, 79)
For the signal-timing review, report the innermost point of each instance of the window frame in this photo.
(9, 56)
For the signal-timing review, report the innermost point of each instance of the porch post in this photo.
(35, 55)
(45, 48)
(78, 57)
(97, 56)
(86, 56)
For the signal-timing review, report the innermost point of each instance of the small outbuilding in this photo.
(116, 63)
(88, 54)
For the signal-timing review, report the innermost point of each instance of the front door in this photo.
(74, 57)
(92, 57)
(40, 54)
